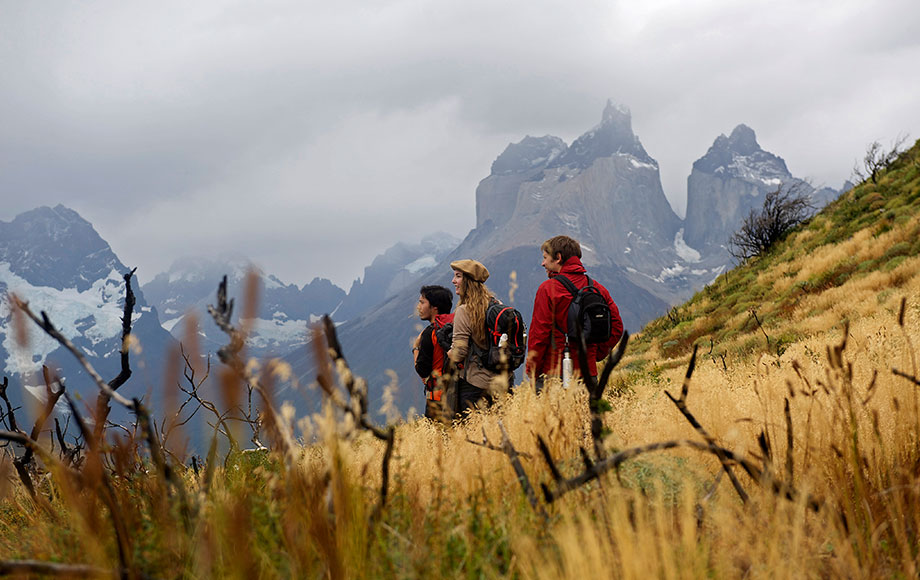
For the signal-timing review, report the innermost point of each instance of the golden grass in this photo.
(456, 509)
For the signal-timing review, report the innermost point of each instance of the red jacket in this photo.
(550, 313)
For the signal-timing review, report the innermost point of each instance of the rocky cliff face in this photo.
(496, 196)
(605, 191)
(729, 182)
(725, 184)
(397, 268)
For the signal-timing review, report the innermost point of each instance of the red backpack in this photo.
(443, 324)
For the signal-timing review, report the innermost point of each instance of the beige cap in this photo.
(471, 268)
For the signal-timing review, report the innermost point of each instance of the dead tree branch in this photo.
(102, 400)
(596, 386)
(105, 490)
(760, 326)
(514, 455)
(681, 404)
(35, 567)
(10, 415)
(783, 209)
(760, 474)
(565, 485)
(907, 376)
(356, 387)
(45, 324)
(877, 159)
(24, 464)
(231, 356)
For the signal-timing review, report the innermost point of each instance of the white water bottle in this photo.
(566, 368)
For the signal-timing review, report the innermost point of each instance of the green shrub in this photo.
(899, 249)
(893, 263)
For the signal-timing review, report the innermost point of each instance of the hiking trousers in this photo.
(471, 397)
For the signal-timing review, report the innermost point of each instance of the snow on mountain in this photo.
(426, 262)
(95, 314)
(54, 260)
(685, 252)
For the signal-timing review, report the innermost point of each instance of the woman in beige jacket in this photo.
(474, 381)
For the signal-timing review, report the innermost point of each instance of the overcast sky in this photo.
(312, 136)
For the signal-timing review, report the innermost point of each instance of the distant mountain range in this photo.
(604, 189)
(284, 311)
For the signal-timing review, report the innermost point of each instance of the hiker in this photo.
(434, 304)
(552, 342)
(473, 379)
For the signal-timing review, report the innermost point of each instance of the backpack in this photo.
(441, 339)
(589, 306)
(502, 319)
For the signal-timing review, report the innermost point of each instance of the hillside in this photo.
(853, 259)
(805, 382)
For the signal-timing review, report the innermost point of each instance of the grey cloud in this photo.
(133, 112)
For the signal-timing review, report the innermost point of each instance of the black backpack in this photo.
(502, 319)
(589, 306)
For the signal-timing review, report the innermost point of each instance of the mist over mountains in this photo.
(604, 190)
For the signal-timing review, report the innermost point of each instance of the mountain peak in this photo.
(529, 153)
(55, 222)
(56, 247)
(743, 140)
(739, 155)
(616, 113)
(613, 136)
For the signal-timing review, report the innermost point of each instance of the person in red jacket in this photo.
(549, 325)
(434, 303)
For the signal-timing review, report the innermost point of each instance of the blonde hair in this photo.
(476, 296)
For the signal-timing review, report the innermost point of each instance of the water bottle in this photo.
(566, 368)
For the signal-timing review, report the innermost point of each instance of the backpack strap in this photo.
(569, 285)
(573, 290)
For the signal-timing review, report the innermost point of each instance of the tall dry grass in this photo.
(825, 416)
(457, 509)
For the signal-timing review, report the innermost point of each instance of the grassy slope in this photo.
(867, 233)
(455, 510)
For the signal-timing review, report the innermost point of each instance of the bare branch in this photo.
(783, 209)
(508, 449)
(130, 301)
(231, 356)
(907, 376)
(10, 411)
(754, 472)
(36, 567)
(877, 159)
(356, 388)
(385, 474)
(681, 404)
(45, 324)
